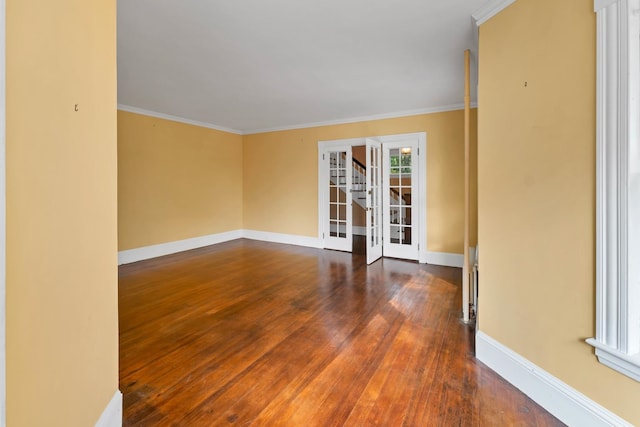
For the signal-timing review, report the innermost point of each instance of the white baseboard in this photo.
(146, 252)
(112, 414)
(153, 251)
(289, 239)
(445, 259)
(564, 402)
(449, 260)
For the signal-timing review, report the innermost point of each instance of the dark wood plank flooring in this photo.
(252, 333)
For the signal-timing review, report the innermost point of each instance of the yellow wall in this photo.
(168, 189)
(537, 193)
(61, 278)
(175, 181)
(281, 175)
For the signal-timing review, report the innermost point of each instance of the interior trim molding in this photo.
(112, 414)
(447, 259)
(563, 401)
(153, 251)
(146, 252)
(394, 115)
(490, 10)
(601, 4)
(287, 239)
(626, 364)
(164, 116)
(139, 254)
(617, 334)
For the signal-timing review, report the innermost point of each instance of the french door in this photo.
(374, 200)
(338, 232)
(400, 208)
(395, 203)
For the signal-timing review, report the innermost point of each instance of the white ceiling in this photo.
(250, 65)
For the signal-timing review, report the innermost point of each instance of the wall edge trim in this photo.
(112, 414)
(601, 4)
(149, 113)
(146, 252)
(287, 239)
(563, 401)
(490, 10)
(445, 259)
(153, 251)
(383, 116)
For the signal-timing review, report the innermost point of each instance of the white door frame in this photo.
(422, 187)
(419, 138)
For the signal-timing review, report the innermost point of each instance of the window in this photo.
(401, 157)
(617, 340)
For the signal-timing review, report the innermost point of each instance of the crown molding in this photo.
(489, 10)
(150, 113)
(408, 113)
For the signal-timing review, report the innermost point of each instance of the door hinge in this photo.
(323, 235)
(323, 157)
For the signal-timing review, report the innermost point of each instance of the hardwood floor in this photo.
(253, 333)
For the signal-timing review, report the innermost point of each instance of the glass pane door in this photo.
(374, 200)
(400, 216)
(338, 233)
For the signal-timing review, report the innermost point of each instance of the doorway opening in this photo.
(374, 187)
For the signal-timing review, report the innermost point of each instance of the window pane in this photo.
(395, 234)
(406, 235)
(333, 228)
(407, 216)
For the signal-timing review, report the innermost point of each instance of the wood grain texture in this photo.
(253, 333)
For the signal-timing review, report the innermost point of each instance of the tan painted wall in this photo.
(537, 193)
(175, 181)
(281, 175)
(62, 313)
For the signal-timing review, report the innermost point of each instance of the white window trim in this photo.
(617, 340)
